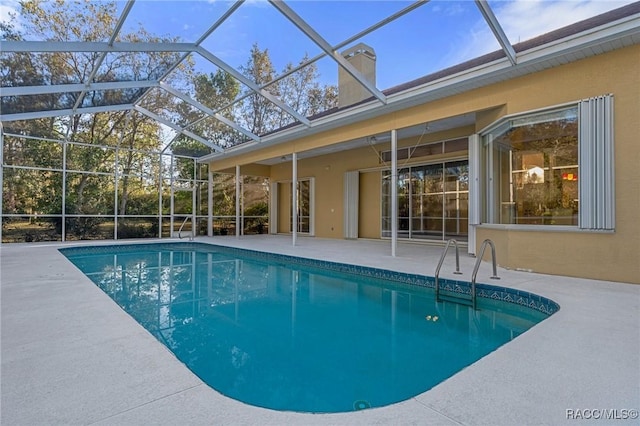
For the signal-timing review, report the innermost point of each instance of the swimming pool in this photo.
(297, 334)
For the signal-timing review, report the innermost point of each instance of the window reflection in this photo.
(432, 201)
(536, 169)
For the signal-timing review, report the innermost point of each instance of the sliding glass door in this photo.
(303, 208)
(433, 201)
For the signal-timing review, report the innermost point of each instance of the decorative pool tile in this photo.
(486, 291)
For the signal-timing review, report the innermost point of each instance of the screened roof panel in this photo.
(135, 66)
(94, 98)
(183, 19)
(200, 84)
(192, 58)
(344, 19)
(434, 37)
(320, 78)
(67, 20)
(258, 24)
(35, 103)
(64, 67)
(214, 130)
(170, 108)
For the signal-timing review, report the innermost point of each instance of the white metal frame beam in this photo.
(61, 112)
(202, 38)
(177, 128)
(98, 64)
(11, 46)
(76, 87)
(327, 48)
(208, 111)
(319, 56)
(497, 30)
(253, 86)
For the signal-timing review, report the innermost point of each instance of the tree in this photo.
(214, 90)
(303, 93)
(93, 138)
(95, 21)
(258, 114)
(99, 147)
(322, 98)
(300, 90)
(138, 170)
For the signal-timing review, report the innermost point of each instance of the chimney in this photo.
(363, 58)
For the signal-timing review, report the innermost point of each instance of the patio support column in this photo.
(160, 182)
(115, 190)
(116, 177)
(394, 192)
(210, 205)
(237, 201)
(1, 175)
(171, 203)
(294, 197)
(194, 195)
(64, 190)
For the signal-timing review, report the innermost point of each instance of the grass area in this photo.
(16, 230)
(21, 230)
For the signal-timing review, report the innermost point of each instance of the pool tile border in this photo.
(447, 286)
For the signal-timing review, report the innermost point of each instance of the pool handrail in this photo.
(444, 254)
(192, 228)
(477, 266)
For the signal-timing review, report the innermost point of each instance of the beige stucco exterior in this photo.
(613, 256)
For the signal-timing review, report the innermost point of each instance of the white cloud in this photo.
(525, 19)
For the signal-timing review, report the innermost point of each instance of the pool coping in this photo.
(452, 288)
(70, 355)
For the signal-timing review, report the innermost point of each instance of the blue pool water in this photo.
(293, 334)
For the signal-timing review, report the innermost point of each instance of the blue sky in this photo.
(439, 34)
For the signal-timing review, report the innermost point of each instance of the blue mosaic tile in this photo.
(486, 291)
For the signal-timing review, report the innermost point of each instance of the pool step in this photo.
(443, 297)
(473, 274)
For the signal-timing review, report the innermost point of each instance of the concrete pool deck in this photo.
(70, 355)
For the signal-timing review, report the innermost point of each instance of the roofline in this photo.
(564, 45)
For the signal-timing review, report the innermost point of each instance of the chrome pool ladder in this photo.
(192, 235)
(475, 269)
(477, 266)
(444, 254)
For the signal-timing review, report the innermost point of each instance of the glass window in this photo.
(432, 201)
(532, 164)
(255, 202)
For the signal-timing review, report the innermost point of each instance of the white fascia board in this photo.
(627, 27)
(88, 46)
(503, 70)
(62, 112)
(434, 89)
(76, 87)
(414, 96)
